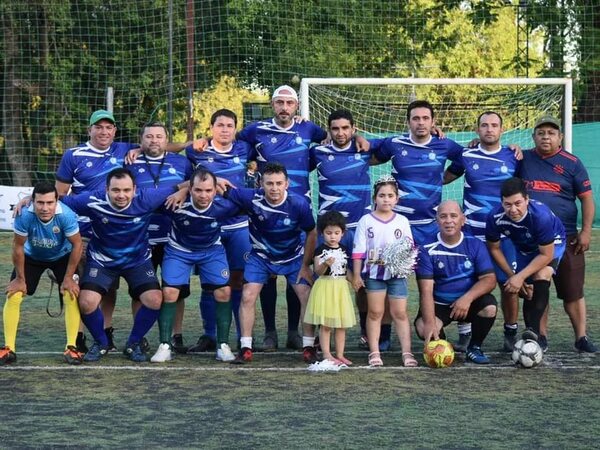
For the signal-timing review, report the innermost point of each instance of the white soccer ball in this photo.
(527, 353)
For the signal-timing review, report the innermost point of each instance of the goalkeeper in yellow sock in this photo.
(46, 237)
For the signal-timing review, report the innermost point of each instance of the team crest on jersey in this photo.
(440, 264)
(93, 272)
(357, 156)
(214, 225)
(186, 222)
(88, 164)
(397, 233)
(55, 229)
(404, 153)
(475, 166)
(273, 140)
(261, 218)
(211, 159)
(287, 221)
(225, 273)
(136, 219)
(331, 157)
(507, 233)
(468, 264)
(298, 140)
(104, 220)
(503, 169)
(172, 170)
(141, 170)
(113, 160)
(528, 235)
(236, 160)
(432, 156)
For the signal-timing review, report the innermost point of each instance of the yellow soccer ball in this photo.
(438, 354)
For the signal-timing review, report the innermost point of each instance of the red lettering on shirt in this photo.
(545, 186)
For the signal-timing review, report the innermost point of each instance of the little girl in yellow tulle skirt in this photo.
(330, 304)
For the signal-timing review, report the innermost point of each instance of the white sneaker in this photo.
(224, 353)
(163, 354)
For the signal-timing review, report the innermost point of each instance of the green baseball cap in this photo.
(97, 116)
(547, 120)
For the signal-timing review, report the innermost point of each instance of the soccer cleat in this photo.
(73, 356)
(145, 345)
(7, 356)
(95, 352)
(510, 338)
(530, 335)
(543, 341)
(244, 356)
(585, 345)
(309, 355)
(177, 344)
(163, 354)
(385, 346)
(205, 344)
(475, 355)
(80, 343)
(294, 341)
(135, 353)
(363, 342)
(270, 342)
(224, 353)
(463, 342)
(110, 331)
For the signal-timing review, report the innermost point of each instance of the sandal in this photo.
(409, 360)
(375, 359)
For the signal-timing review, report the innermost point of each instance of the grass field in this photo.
(196, 402)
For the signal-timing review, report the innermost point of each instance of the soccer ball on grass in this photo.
(527, 353)
(438, 354)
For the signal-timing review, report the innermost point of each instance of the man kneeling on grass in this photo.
(455, 276)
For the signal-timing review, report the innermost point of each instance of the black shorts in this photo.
(442, 312)
(570, 275)
(34, 270)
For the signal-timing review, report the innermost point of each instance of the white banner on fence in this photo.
(9, 196)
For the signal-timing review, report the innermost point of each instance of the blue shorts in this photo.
(524, 260)
(396, 287)
(100, 279)
(423, 234)
(211, 264)
(259, 270)
(510, 253)
(237, 247)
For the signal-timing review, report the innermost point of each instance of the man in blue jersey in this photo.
(539, 238)
(226, 157)
(485, 168)
(46, 236)
(155, 167)
(278, 221)
(557, 178)
(455, 277)
(119, 247)
(195, 241)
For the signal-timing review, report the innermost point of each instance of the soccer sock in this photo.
(481, 326)
(246, 342)
(510, 329)
(236, 300)
(385, 334)
(464, 328)
(268, 303)
(208, 313)
(308, 341)
(10, 316)
(537, 304)
(362, 317)
(223, 322)
(294, 308)
(72, 318)
(166, 318)
(143, 322)
(94, 322)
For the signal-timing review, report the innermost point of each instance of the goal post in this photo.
(513, 96)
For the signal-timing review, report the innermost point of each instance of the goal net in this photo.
(379, 107)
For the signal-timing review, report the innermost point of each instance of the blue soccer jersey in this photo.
(453, 268)
(484, 171)
(344, 181)
(164, 171)
(230, 165)
(120, 236)
(419, 172)
(275, 230)
(556, 181)
(196, 230)
(85, 167)
(288, 146)
(538, 227)
(47, 241)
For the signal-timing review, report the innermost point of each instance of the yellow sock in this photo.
(10, 316)
(72, 318)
